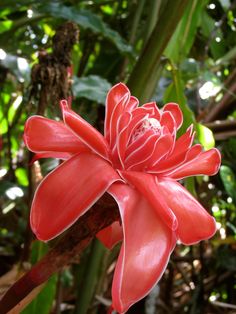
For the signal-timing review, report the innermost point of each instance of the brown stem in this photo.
(101, 215)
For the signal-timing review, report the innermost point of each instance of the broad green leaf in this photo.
(3, 126)
(91, 279)
(92, 87)
(209, 30)
(5, 26)
(184, 36)
(229, 181)
(87, 20)
(22, 177)
(175, 93)
(205, 136)
(43, 302)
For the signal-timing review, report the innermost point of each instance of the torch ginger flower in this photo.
(138, 161)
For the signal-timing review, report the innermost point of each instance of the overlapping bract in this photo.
(137, 161)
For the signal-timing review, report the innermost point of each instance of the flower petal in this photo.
(178, 155)
(137, 159)
(114, 96)
(194, 223)
(163, 146)
(156, 112)
(44, 135)
(168, 120)
(176, 112)
(111, 235)
(68, 192)
(145, 251)
(146, 185)
(205, 163)
(86, 133)
(116, 114)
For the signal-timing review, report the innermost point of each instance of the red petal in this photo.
(156, 112)
(68, 192)
(137, 160)
(114, 96)
(194, 223)
(116, 114)
(146, 184)
(176, 112)
(44, 135)
(87, 134)
(132, 104)
(168, 120)
(111, 235)
(179, 153)
(206, 163)
(145, 251)
(163, 146)
(123, 136)
(137, 143)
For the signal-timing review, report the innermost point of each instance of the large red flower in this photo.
(138, 161)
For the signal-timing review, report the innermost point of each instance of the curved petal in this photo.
(116, 115)
(68, 192)
(137, 159)
(111, 235)
(206, 163)
(86, 133)
(138, 142)
(145, 251)
(114, 96)
(176, 112)
(194, 223)
(163, 146)
(146, 185)
(156, 112)
(132, 104)
(44, 135)
(178, 155)
(168, 120)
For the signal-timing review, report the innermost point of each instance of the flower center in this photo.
(147, 124)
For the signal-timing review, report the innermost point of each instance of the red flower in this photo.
(138, 161)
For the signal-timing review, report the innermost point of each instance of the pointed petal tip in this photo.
(64, 104)
(217, 160)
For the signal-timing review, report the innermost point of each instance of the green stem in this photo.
(150, 57)
(85, 296)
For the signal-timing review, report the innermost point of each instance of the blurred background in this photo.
(165, 50)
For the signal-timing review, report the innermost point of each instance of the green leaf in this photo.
(22, 177)
(205, 136)
(91, 277)
(210, 31)
(229, 181)
(92, 87)
(43, 303)
(87, 20)
(175, 93)
(184, 36)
